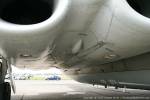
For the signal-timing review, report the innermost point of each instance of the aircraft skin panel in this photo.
(133, 79)
(129, 32)
(128, 76)
(118, 26)
(109, 22)
(116, 33)
(124, 32)
(130, 72)
(80, 33)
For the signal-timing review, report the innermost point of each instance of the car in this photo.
(53, 78)
(22, 78)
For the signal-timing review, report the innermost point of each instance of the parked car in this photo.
(53, 78)
(22, 78)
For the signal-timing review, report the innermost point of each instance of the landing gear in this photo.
(5, 88)
(5, 91)
(106, 86)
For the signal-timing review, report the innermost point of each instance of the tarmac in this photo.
(72, 90)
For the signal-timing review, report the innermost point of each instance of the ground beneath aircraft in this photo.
(71, 90)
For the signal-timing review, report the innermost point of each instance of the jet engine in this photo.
(29, 27)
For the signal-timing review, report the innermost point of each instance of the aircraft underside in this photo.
(94, 41)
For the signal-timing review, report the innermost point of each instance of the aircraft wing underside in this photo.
(94, 41)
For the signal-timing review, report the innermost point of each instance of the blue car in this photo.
(53, 78)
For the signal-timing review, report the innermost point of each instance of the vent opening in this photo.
(141, 6)
(26, 12)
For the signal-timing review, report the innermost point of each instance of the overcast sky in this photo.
(51, 71)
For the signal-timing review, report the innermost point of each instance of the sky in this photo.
(21, 71)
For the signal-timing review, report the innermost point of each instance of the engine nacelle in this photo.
(29, 27)
(36, 13)
(141, 6)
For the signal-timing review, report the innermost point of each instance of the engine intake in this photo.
(26, 12)
(141, 6)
